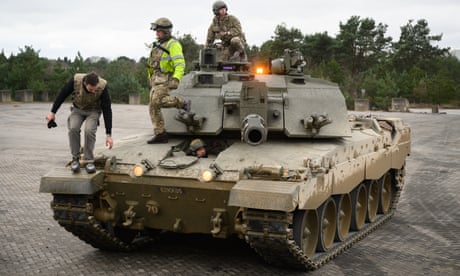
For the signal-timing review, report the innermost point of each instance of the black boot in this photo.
(159, 139)
(90, 168)
(75, 165)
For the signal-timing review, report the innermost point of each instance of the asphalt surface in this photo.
(422, 238)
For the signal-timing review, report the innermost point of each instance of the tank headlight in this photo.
(139, 170)
(207, 175)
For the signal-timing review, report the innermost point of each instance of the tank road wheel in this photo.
(359, 207)
(306, 230)
(327, 224)
(343, 203)
(372, 200)
(385, 193)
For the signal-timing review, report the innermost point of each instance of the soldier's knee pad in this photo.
(235, 41)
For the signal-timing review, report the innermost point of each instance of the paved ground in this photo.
(421, 239)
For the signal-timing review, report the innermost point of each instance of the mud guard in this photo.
(262, 194)
(63, 181)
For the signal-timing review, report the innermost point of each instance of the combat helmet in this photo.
(162, 23)
(196, 144)
(217, 6)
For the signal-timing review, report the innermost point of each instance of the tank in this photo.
(287, 169)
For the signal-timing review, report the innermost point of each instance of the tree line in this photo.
(361, 59)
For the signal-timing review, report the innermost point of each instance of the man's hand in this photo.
(173, 84)
(50, 119)
(109, 142)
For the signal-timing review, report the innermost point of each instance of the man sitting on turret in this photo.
(227, 28)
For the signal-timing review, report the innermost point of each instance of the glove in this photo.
(52, 124)
(173, 83)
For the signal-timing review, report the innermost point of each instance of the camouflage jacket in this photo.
(230, 25)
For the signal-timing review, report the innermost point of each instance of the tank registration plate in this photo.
(171, 190)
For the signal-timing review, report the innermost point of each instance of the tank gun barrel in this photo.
(253, 130)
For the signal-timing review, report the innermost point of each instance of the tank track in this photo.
(73, 212)
(270, 234)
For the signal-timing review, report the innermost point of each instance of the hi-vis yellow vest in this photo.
(170, 62)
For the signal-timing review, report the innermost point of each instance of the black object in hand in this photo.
(52, 124)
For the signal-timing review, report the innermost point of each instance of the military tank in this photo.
(287, 169)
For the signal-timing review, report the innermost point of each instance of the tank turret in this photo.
(229, 97)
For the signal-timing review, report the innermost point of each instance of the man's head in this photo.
(163, 27)
(90, 82)
(218, 6)
(197, 147)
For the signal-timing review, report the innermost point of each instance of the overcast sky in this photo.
(59, 28)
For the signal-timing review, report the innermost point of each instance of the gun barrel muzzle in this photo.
(253, 130)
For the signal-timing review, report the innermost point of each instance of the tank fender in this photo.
(315, 191)
(63, 181)
(264, 194)
(378, 163)
(347, 175)
(399, 153)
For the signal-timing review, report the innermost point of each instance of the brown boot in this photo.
(159, 139)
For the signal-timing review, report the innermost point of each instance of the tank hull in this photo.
(286, 169)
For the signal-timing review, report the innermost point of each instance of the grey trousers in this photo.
(74, 124)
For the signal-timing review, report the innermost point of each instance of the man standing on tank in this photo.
(90, 98)
(227, 28)
(166, 68)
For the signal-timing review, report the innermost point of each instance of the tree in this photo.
(317, 49)
(331, 70)
(285, 38)
(58, 76)
(141, 72)
(361, 43)
(414, 47)
(265, 50)
(380, 89)
(78, 65)
(26, 70)
(440, 88)
(121, 79)
(190, 49)
(3, 70)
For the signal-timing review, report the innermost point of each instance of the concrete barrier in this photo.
(135, 98)
(5, 96)
(25, 95)
(44, 97)
(399, 105)
(361, 105)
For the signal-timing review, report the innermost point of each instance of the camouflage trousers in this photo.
(159, 98)
(229, 52)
